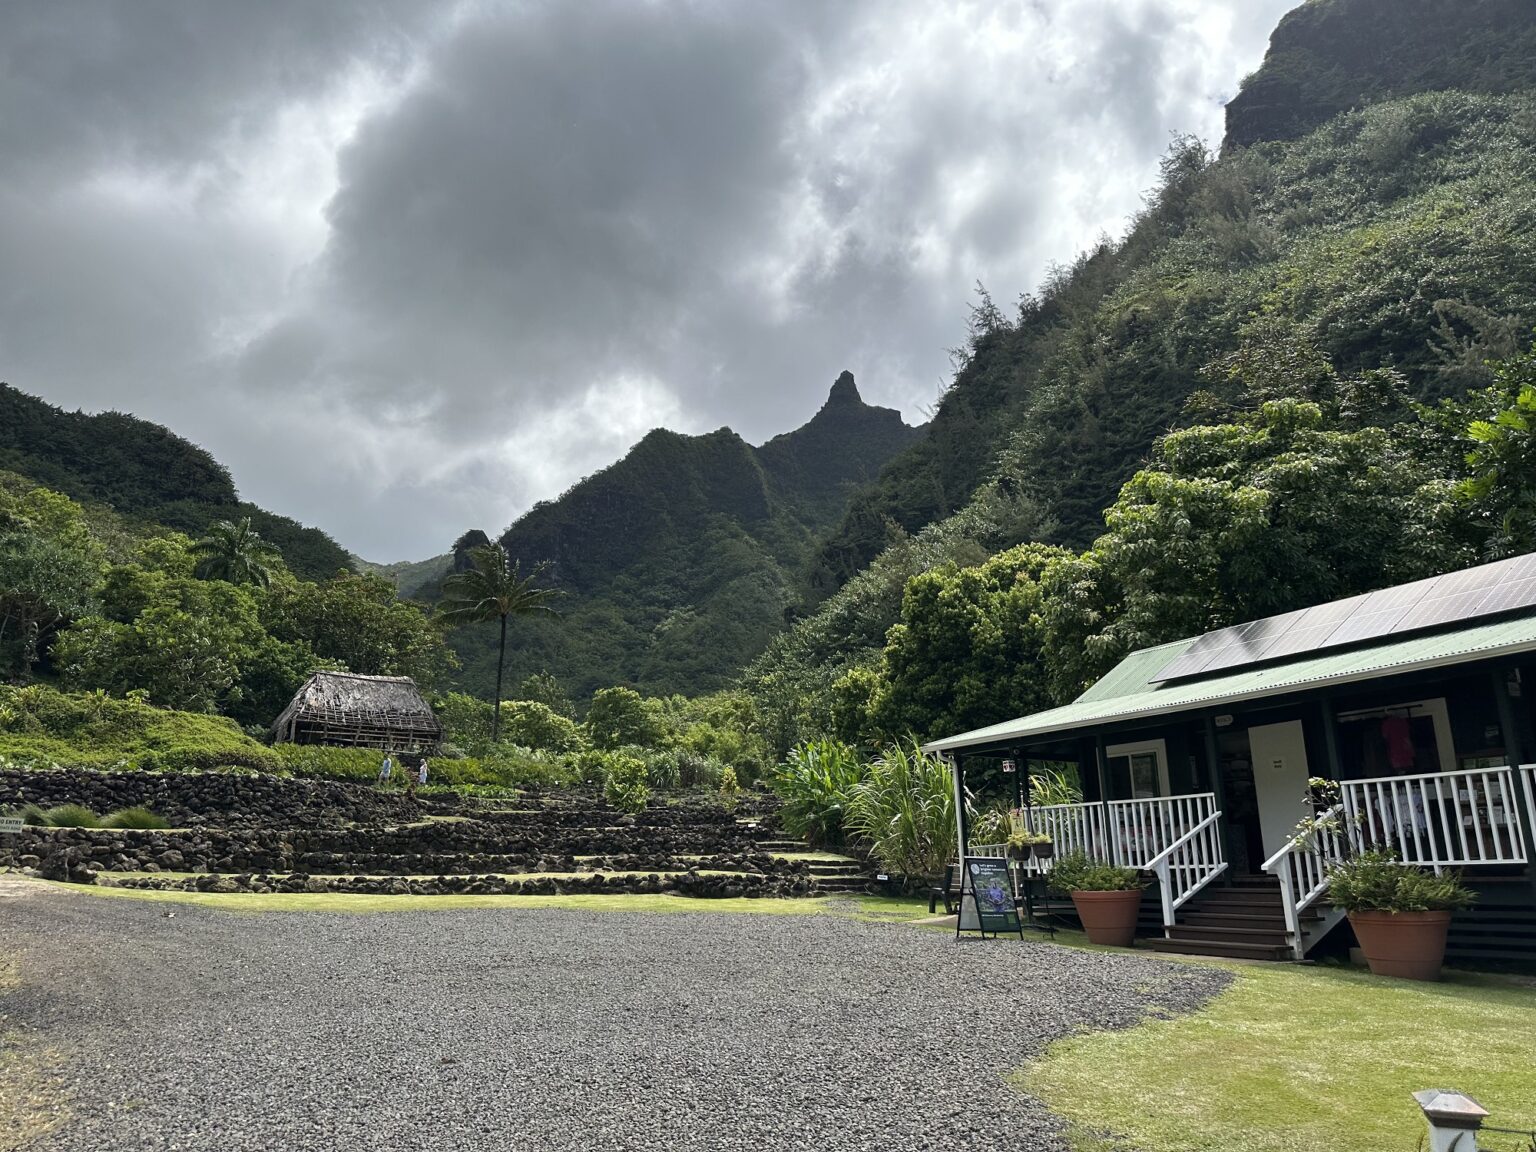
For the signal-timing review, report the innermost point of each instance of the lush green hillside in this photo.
(1397, 235)
(146, 474)
(1330, 56)
(680, 561)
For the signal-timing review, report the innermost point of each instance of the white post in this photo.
(954, 775)
(1453, 1119)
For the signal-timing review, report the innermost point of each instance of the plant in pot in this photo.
(1021, 844)
(1401, 914)
(1107, 898)
(1044, 846)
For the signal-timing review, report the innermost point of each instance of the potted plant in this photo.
(1401, 914)
(1044, 846)
(1021, 844)
(1107, 898)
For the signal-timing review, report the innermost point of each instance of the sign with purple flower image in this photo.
(986, 904)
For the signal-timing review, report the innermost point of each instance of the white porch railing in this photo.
(1188, 865)
(1129, 833)
(1435, 820)
(1439, 819)
(1302, 869)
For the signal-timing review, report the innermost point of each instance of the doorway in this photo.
(1280, 780)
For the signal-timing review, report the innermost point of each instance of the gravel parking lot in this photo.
(548, 1028)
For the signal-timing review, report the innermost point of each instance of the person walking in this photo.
(421, 772)
(386, 770)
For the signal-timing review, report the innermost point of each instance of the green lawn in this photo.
(1294, 1058)
(872, 907)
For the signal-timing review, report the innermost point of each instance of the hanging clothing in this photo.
(1397, 731)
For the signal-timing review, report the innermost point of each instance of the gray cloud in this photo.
(408, 269)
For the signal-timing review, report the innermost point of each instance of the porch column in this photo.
(1514, 756)
(1331, 738)
(1102, 762)
(957, 774)
(1213, 763)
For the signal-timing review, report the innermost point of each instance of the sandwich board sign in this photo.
(986, 898)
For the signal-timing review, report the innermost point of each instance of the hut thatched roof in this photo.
(340, 707)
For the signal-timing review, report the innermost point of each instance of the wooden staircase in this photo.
(1243, 920)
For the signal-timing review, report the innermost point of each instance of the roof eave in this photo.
(999, 734)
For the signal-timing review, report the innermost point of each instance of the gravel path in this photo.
(549, 1029)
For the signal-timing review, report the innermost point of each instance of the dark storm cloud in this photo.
(409, 269)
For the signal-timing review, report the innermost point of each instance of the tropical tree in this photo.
(236, 553)
(494, 588)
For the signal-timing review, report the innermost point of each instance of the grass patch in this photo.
(870, 907)
(1293, 1057)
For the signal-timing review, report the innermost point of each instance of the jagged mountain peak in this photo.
(844, 391)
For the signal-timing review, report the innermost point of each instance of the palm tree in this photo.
(235, 553)
(491, 588)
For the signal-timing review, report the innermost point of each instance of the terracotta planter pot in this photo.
(1408, 945)
(1109, 917)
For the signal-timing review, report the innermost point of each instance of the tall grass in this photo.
(134, 818)
(905, 811)
(815, 783)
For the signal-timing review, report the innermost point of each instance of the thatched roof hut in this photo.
(386, 712)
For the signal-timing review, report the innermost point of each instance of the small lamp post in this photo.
(1453, 1119)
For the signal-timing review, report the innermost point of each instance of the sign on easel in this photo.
(986, 898)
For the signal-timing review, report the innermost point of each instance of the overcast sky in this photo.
(407, 268)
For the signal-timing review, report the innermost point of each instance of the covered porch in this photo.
(1202, 786)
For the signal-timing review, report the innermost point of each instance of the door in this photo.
(1279, 780)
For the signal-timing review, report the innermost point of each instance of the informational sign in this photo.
(11, 825)
(1009, 766)
(986, 899)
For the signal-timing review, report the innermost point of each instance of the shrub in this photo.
(535, 725)
(625, 787)
(730, 790)
(71, 816)
(662, 769)
(31, 814)
(905, 811)
(815, 783)
(696, 770)
(1079, 872)
(134, 818)
(1379, 882)
(591, 767)
(515, 767)
(620, 716)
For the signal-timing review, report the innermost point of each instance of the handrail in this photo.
(1202, 835)
(1302, 869)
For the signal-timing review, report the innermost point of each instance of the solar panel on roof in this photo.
(1504, 586)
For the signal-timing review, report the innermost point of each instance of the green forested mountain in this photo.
(1373, 196)
(679, 562)
(146, 474)
(1371, 219)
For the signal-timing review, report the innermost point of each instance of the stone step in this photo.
(1205, 932)
(1227, 948)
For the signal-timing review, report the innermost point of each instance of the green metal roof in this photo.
(1129, 693)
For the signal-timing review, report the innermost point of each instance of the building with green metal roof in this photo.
(1416, 700)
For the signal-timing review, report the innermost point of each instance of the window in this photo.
(1137, 771)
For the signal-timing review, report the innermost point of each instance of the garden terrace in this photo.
(221, 799)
